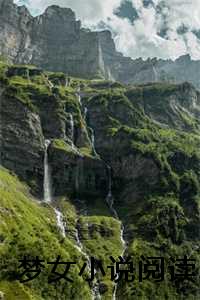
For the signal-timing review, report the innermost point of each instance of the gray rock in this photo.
(55, 41)
(21, 139)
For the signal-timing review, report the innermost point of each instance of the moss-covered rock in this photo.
(141, 142)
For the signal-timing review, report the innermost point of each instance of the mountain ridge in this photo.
(56, 41)
(114, 149)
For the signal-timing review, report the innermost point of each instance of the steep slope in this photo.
(139, 144)
(55, 41)
(29, 228)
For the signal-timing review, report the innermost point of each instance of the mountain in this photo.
(99, 158)
(122, 164)
(55, 41)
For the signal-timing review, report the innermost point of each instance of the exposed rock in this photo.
(22, 141)
(76, 174)
(174, 106)
(55, 41)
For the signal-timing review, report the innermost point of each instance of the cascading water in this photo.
(93, 141)
(71, 121)
(47, 175)
(92, 138)
(78, 90)
(155, 74)
(95, 286)
(110, 201)
(85, 113)
(109, 75)
(59, 217)
(47, 189)
(28, 75)
(60, 222)
(110, 198)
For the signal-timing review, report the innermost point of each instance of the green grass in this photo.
(28, 228)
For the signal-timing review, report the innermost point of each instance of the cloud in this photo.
(157, 31)
(90, 11)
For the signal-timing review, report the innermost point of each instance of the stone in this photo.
(21, 141)
(56, 41)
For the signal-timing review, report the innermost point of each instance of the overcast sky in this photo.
(163, 28)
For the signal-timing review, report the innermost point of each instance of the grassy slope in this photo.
(28, 228)
(147, 219)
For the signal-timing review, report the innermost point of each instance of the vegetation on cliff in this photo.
(148, 135)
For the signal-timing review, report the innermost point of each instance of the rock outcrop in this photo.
(21, 141)
(115, 152)
(55, 41)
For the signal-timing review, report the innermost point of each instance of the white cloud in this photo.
(141, 38)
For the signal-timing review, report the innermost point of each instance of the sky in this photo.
(141, 28)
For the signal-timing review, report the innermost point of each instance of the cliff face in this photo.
(32, 110)
(55, 41)
(117, 155)
(139, 144)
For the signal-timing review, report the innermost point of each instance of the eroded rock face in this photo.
(22, 141)
(25, 125)
(55, 41)
(75, 174)
(174, 107)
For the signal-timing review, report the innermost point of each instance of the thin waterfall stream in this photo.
(48, 192)
(109, 197)
(60, 222)
(47, 174)
(95, 286)
(71, 121)
(59, 217)
(110, 201)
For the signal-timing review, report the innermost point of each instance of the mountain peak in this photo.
(57, 10)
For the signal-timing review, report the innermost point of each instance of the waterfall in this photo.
(93, 141)
(47, 175)
(79, 99)
(71, 121)
(78, 95)
(28, 75)
(78, 241)
(92, 136)
(47, 189)
(60, 222)
(109, 75)
(85, 113)
(155, 74)
(110, 201)
(95, 286)
(109, 197)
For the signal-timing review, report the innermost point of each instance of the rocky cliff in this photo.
(117, 154)
(55, 41)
